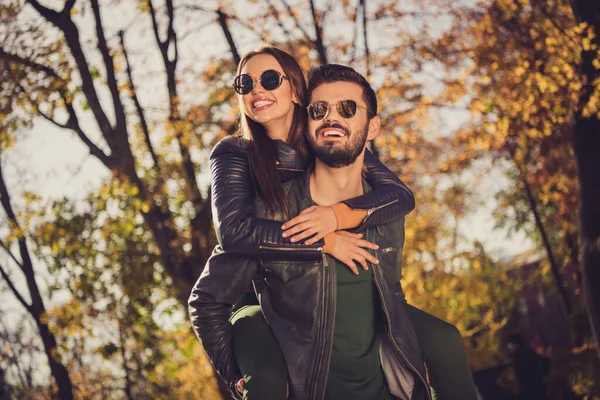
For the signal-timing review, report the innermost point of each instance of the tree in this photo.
(35, 307)
(586, 143)
(525, 89)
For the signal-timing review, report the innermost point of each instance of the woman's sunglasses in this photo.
(345, 108)
(270, 80)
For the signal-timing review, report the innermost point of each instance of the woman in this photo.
(271, 92)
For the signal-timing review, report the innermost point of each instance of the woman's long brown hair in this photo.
(262, 150)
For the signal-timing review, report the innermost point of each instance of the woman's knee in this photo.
(266, 383)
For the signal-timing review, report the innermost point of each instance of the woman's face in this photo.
(274, 109)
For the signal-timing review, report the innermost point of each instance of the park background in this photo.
(108, 111)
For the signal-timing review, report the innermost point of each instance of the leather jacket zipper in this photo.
(290, 169)
(370, 211)
(320, 361)
(377, 272)
(388, 249)
(319, 249)
(279, 167)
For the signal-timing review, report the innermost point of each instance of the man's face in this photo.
(335, 140)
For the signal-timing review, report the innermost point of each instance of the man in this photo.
(342, 335)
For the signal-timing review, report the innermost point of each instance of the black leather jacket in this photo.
(232, 267)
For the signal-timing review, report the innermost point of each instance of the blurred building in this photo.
(538, 313)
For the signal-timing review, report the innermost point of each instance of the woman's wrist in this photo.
(329, 245)
(347, 217)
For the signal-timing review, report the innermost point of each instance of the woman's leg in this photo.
(447, 365)
(258, 356)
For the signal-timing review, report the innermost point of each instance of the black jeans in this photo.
(263, 366)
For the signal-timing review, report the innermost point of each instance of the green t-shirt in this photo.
(355, 371)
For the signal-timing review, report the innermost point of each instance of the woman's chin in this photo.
(262, 117)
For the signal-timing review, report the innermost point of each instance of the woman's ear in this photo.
(295, 99)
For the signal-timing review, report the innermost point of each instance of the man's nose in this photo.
(332, 117)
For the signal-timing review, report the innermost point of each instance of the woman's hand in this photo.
(315, 221)
(349, 247)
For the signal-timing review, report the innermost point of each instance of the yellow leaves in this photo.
(519, 71)
(66, 319)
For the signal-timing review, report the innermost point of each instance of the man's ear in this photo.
(374, 126)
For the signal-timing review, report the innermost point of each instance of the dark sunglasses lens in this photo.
(243, 84)
(318, 110)
(346, 108)
(270, 79)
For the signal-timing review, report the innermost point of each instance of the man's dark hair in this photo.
(340, 73)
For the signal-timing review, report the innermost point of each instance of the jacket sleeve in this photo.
(389, 200)
(233, 196)
(221, 284)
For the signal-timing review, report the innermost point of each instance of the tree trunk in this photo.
(586, 144)
(558, 279)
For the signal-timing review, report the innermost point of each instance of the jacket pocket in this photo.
(287, 271)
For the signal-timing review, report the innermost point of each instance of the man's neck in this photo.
(329, 185)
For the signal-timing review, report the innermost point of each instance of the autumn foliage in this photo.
(469, 92)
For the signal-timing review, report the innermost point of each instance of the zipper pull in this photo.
(325, 263)
(369, 212)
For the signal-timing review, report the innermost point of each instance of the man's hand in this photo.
(349, 247)
(315, 221)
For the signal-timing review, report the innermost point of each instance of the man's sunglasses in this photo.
(345, 108)
(270, 80)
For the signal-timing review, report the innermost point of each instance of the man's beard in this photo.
(335, 155)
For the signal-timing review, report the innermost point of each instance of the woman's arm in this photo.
(221, 284)
(233, 196)
(389, 201)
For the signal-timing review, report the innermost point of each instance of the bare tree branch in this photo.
(111, 79)
(50, 119)
(275, 13)
(49, 14)
(230, 17)
(31, 64)
(128, 382)
(318, 35)
(355, 32)
(365, 35)
(136, 101)
(76, 127)
(13, 288)
(288, 8)
(68, 6)
(222, 17)
(171, 36)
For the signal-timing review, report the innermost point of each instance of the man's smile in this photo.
(332, 132)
